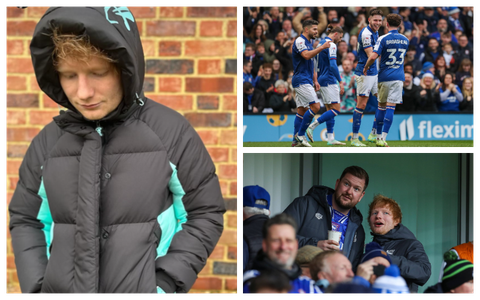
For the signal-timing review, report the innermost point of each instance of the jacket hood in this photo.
(267, 44)
(111, 29)
(400, 232)
(262, 262)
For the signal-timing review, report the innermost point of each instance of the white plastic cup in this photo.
(334, 235)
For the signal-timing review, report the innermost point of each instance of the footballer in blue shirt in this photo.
(304, 80)
(366, 83)
(329, 79)
(392, 48)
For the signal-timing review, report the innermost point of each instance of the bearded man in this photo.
(323, 209)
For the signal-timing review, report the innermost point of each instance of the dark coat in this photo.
(408, 254)
(252, 235)
(127, 203)
(312, 229)
(258, 101)
(410, 99)
(277, 104)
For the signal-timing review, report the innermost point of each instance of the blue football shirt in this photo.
(302, 68)
(325, 75)
(339, 221)
(392, 48)
(366, 39)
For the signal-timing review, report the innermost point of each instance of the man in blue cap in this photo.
(256, 205)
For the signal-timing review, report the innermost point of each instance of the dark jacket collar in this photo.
(399, 232)
(320, 192)
(262, 262)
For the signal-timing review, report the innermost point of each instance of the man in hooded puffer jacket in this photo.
(405, 251)
(118, 193)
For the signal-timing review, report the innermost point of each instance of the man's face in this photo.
(375, 22)
(467, 287)
(349, 191)
(261, 49)
(280, 36)
(281, 245)
(247, 68)
(347, 66)
(446, 38)
(408, 79)
(429, 12)
(433, 44)
(411, 54)
(442, 25)
(332, 14)
(342, 47)
(338, 37)
(274, 12)
(312, 32)
(340, 268)
(95, 90)
(287, 25)
(248, 51)
(381, 220)
(267, 72)
(463, 41)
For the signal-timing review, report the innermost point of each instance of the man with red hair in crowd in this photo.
(405, 251)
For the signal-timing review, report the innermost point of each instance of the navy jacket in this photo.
(312, 214)
(408, 254)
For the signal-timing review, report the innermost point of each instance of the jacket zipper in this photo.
(101, 133)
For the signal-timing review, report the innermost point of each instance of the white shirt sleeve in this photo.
(300, 44)
(332, 51)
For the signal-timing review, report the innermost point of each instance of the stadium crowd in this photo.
(438, 63)
(317, 245)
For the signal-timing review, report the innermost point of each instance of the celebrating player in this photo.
(304, 79)
(365, 83)
(392, 48)
(328, 76)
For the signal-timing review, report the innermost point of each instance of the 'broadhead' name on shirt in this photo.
(397, 42)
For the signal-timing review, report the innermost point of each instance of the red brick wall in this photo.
(194, 74)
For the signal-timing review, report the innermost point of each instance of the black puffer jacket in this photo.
(135, 208)
(408, 254)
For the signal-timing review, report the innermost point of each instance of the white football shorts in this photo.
(330, 94)
(390, 91)
(366, 84)
(305, 95)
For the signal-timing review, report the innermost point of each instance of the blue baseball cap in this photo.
(251, 193)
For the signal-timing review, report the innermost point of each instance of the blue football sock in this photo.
(330, 114)
(357, 119)
(307, 119)
(374, 123)
(379, 117)
(330, 124)
(388, 118)
(296, 124)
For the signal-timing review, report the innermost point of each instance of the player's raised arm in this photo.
(310, 54)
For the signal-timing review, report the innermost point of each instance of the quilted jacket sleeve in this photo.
(28, 239)
(204, 208)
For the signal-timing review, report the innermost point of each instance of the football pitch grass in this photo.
(368, 144)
